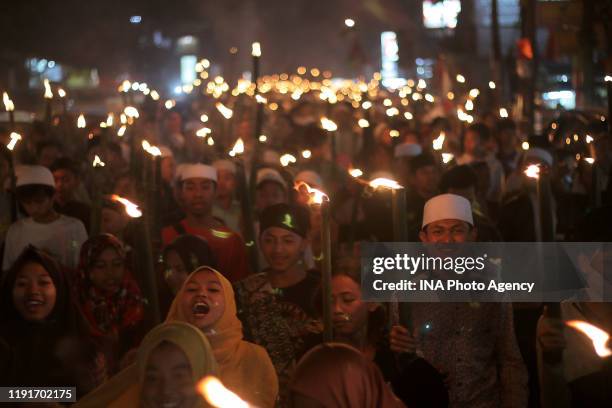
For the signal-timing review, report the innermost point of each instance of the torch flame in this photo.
(447, 157)
(363, 123)
(238, 148)
(386, 183)
(217, 395)
(131, 209)
(287, 159)
(316, 196)
(328, 124)
(503, 113)
(81, 121)
(598, 336)
(8, 103)
(533, 171)
(203, 132)
(110, 119)
(149, 148)
(131, 112)
(260, 99)
(356, 173)
(15, 137)
(256, 50)
(48, 92)
(97, 162)
(121, 131)
(61, 92)
(224, 110)
(438, 142)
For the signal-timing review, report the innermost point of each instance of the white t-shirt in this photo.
(62, 238)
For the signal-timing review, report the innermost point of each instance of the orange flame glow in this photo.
(131, 209)
(598, 336)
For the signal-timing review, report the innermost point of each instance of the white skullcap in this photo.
(198, 170)
(539, 154)
(447, 207)
(165, 151)
(28, 175)
(407, 150)
(268, 174)
(309, 177)
(226, 165)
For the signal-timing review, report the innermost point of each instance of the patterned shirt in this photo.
(281, 320)
(475, 346)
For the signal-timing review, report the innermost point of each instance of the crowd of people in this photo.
(229, 255)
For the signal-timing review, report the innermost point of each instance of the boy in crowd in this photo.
(60, 235)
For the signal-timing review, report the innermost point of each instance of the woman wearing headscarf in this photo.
(171, 360)
(206, 301)
(44, 340)
(109, 296)
(334, 375)
(183, 255)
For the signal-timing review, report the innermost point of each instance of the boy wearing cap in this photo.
(473, 345)
(277, 306)
(197, 185)
(60, 235)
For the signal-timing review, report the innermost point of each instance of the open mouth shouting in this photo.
(200, 308)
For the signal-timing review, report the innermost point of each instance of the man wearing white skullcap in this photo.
(196, 191)
(447, 218)
(484, 367)
(58, 234)
(227, 207)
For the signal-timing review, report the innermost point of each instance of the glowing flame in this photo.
(474, 93)
(149, 148)
(263, 138)
(306, 154)
(154, 95)
(287, 159)
(238, 148)
(131, 209)
(356, 173)
(15, 137)
(408, 115)
(131, 112)
(121, 131)
(589, 160)
(608, 78)
(385, 183)
(492, 85)
(469, 105)
(349, 22)
(363, 123)
(438, 142)
(210, 141)
(260, 99)
(81, 122)
(525, 145)
(533, 171)
(460, 78)
(256, 49)
(97, 162)
(316, 196)
(598, 336)
(588, 139)
(218, 396)
(328, 125)
(503, 113)
(8, 103)
(203, 132)
(61, 92)
(224, 110)
(366, 105)
(170, 103)
(447, 157)
(48, 92)
(110, 119)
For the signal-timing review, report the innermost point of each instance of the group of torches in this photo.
(359, 93)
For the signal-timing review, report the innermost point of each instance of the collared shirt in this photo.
(475, 346)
